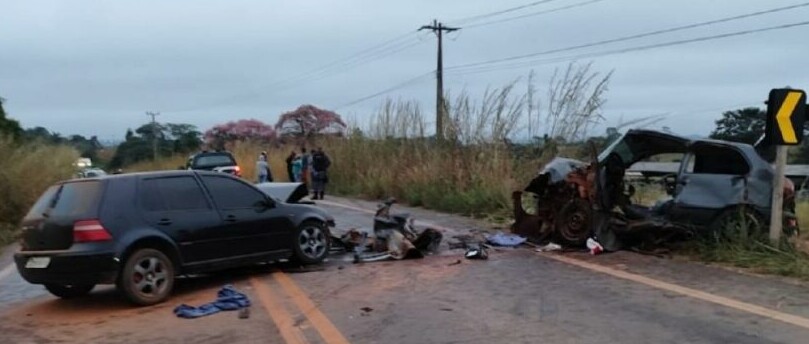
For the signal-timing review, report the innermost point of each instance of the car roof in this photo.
(165, 173)
(212, 153)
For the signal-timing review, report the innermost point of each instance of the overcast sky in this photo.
(95, 67)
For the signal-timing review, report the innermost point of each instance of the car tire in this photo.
(729, 225)
(69, 291)
(147, 277)
(573, 222)
(311, 242)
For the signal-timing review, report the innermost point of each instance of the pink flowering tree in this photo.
(308, 121)
(241, 130)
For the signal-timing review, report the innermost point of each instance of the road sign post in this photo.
(786, 112)
(777, 209)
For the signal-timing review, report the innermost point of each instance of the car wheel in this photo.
(147, 277)
(69, 291)
(573, 222)
(737, 224)
(312, 242)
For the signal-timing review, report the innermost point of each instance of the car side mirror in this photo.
(268, 203)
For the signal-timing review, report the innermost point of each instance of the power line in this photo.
(345, 67)
(341, 66)
(503, 20)
(636, 36)
(496, 13)
(480, 69)
(384, 49)
(387, 90)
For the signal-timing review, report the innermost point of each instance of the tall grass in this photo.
(28, 170)
(471, 172)
(802, 211)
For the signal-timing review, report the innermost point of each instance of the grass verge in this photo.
(789, 258)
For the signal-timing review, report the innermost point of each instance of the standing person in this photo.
(262, 168)
(290, 159)
(306, 161)
(297, 167)
(269, 170)
(320, 177)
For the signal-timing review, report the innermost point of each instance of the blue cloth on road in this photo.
(227, 299)
(503, 239)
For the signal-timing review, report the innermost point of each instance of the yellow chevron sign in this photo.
(785, 116)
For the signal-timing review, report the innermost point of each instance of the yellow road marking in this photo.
(697, 294)
(7, 271)
(322, 324)
(282, 319)
(784, 117)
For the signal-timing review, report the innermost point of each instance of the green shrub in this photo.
(29, 168)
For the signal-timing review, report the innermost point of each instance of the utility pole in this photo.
(438, 29)
(154, 132)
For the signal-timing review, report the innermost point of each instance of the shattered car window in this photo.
(717, 160)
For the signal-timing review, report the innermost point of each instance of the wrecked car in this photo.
(719, 185)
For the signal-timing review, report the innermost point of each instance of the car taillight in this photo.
(89, 231)
(238, 171)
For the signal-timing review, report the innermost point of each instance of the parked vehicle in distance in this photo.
(92, 173)
(141, 230)
(219, 161)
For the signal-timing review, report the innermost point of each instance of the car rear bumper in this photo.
(69, 268)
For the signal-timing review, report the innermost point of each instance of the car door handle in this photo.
(164, 222)
(230, 218)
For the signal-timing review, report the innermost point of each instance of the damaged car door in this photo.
(712, 178)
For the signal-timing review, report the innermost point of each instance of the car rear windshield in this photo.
(214, 160)
(76, 199)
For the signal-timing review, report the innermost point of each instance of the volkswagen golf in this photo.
(138, 231)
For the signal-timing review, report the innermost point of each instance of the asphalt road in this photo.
(516, 296)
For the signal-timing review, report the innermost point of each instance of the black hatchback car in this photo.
(141, 230)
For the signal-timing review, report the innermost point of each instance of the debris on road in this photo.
(394, 236)
(594, 247)
(503, 239)
(227, 299)
(457, 262)
(549, 247)
(476, 251)
(244, 313)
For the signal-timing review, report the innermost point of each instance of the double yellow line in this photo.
(290, 332)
